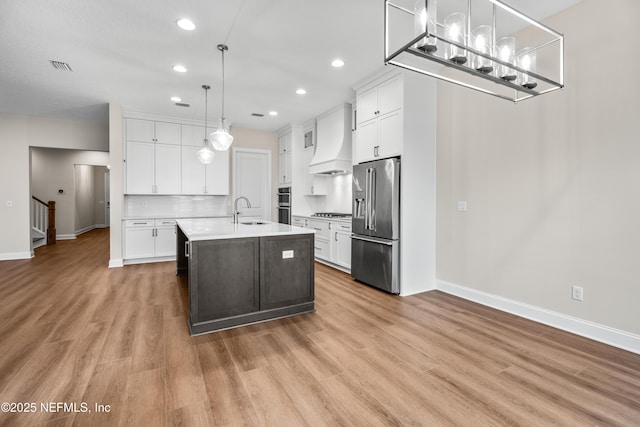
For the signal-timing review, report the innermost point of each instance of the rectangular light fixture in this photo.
(484, 45)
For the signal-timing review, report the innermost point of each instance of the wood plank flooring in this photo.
(72, 330)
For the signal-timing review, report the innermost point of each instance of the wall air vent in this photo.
(257, 115)
(62, 66)
(182, 104)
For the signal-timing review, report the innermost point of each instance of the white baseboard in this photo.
(16, 255)
(84, 230)
(115, 263)
(149, 260)
(65, 236)
(615, 337)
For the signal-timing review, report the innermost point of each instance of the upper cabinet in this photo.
(285, 156)
(199, 179)
(161, 158)
(153, 157)
(379, 123)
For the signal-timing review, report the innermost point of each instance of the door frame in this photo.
(269, 190)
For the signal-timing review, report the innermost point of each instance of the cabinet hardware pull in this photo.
(336, 238)
(319, 229)
(139, 223)
(329, 226)
(317, 248)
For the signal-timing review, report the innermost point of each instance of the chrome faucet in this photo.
(236, 213)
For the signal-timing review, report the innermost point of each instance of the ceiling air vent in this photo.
(257, 115)
(62, 66)
(182, 104)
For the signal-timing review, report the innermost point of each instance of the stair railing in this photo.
(43, 219)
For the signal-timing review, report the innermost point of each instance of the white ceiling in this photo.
(121, 51)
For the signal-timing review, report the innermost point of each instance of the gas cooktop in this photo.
(332, 215)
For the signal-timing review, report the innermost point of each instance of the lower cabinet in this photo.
(341, 244)
(149, 238)
(332, 240)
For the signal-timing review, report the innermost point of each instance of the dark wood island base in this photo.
(237, 281)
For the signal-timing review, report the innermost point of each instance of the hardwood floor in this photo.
(72, 330)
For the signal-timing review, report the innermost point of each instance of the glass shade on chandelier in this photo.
(482, 42)
(455, 29)
(506, 48)
(527, 61)
(221, 139)
(425, 21)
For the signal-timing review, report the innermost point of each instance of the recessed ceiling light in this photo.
(273, 113)
(179, 68)
(301, 91)
(186, 24)
(176, 99)
(337, 63)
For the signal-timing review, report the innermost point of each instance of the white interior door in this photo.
(252, 179)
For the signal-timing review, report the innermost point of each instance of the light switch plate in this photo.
(462, 206)
(287, 254)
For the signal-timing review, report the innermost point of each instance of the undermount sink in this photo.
(252, 222)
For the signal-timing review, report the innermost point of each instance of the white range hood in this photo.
(333, 142)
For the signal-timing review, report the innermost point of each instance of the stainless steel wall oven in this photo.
(284, 205)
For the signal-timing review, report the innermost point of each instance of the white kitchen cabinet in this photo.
(216, 175)
(379, 121)
(152, 166)
(340, 244)
(140, 167)
(285, 158)
(314, 185)
(148, 238)
(284, 143)
(284, 175)
(141, 130)
(167, 169)
(297, 221)
(165, 240)
(199, 179)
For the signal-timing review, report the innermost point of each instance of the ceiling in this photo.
(122, 51)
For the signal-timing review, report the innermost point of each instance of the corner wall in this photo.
(552, 183)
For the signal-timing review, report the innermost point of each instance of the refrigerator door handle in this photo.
(372, 200)
(367, 195)
(371, 240)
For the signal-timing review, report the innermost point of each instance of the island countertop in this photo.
(223, 228)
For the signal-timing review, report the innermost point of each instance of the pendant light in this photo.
(221, 138)
(205, 154)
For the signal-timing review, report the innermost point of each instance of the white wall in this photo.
(552, 183)
(116, 160)
(17, 134)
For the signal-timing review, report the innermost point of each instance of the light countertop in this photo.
(224, 228)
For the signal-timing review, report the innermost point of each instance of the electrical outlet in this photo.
(577, 293)
(462, 206)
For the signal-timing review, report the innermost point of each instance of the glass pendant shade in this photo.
(425, 20)
(506, 48)
(527, 61)
(455, 28)
(205, 154)
(481, 39)
(221, 139)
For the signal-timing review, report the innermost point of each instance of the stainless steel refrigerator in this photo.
(375, 242)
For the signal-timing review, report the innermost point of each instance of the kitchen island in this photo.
(244, 273)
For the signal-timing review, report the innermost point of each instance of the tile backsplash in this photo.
(174, 206)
